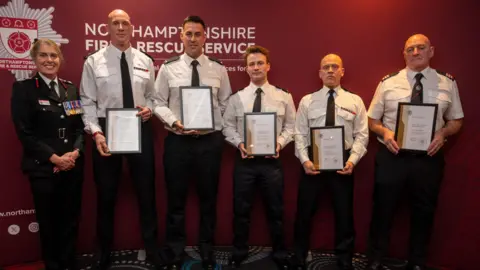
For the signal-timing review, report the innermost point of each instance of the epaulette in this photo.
(215, 60)
(284, 90)
(149, 56)
(448, 75)
(389, 76)
(171, 60)
(85, 57)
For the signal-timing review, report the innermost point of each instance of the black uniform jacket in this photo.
(42, 125)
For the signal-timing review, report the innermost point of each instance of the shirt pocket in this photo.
(140, 78)
(316, 117)
(104, 74)
(394, 96)
(442, 97)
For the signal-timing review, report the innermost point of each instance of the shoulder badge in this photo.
(149, 56)
(389, 76)
(171, 60)
(215, 60)
(65, 81)
(448, 75)
(284, 90)
(85, 57)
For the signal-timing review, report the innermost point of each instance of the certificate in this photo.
(260, 131)
(415, 126)
(197, 107)
(328, 148)
(123, 132)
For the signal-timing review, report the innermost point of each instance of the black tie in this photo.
(126, 83)
(330, 117)
(417, 91)
(52, 88)
(195, 77)
(257, 104)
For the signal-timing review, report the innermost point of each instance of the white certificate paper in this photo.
(197, 108)
(123, 131)
(415, 126)
(328, 147)
(260, 134)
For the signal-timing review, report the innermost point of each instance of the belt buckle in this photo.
(61, 133)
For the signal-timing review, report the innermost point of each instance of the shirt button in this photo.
(59, 104)
(65, 141)
(62, 116)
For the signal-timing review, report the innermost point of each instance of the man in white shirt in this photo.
(119, 76)
(395, 170)
(332, 105)
(266, 172)
(192, 152)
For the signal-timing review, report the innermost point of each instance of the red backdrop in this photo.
(368, 35)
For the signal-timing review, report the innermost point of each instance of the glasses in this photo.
(327, 68)
(45, 55)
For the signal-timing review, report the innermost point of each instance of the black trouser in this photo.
(186, 156)
(267, 174)
(309, 192)
(107, 173)
(57, 200)
(422, 176)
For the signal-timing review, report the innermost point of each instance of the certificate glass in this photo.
(260, 131)
(415, 126)
(123, 132)
(197, 108)
(328, 148)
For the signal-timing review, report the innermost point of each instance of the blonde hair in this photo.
(36, 47)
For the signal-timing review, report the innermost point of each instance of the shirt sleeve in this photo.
(360, 134)
(288, 128)
(376, 109)
(88, 96)
(162, 91)
(225, 90)
(455, 110)
(150, 95)
(301, 132)
(230, 123)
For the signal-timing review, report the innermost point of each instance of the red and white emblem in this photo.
(19, 27)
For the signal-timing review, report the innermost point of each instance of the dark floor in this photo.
(258, 260)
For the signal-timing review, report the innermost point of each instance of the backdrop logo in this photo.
(13, 229)
(19, 26)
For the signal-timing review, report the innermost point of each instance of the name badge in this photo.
(73, 107)
(43, 102)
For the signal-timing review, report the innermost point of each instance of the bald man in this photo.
(119, 76)
(332, 105)
(395, 169)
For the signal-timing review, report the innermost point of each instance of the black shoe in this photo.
(235, 262)
(208, 264)
(295, 264)
(176, 265)
(415, 267)
(345, 265)
(103, 262)
(374, 265)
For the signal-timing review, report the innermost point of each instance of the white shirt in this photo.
(350, 112)
(47, 81)
(101, 84)
(273, 100)
(176, 73)
(395, 88)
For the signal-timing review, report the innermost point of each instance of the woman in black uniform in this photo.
(47, 117)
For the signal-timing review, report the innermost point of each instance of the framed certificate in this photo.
(415, 126)
(123, 131)
(260, 131)
(328, 148)
(196, 106)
